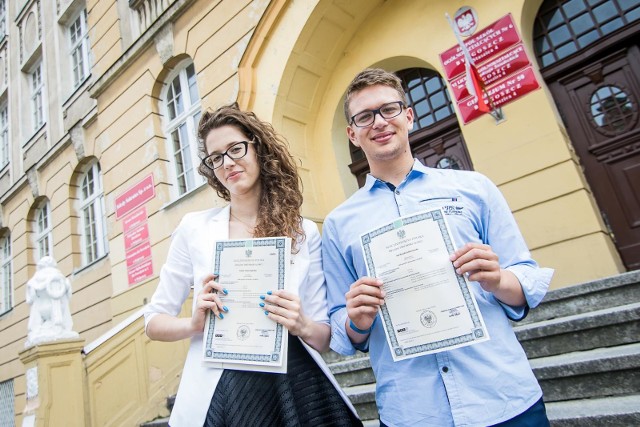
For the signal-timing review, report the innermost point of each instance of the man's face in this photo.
(383, 140)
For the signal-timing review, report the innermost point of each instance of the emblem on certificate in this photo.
(246, 339)
(429, 307)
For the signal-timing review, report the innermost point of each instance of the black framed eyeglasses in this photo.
(235, 152)
(387, 111)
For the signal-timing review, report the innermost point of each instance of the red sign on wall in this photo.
(134, 219)
(509, 62)
(136, 236)
(138, 254)
(137, 195)
(140, 272)
(502, 92)
(488, 42)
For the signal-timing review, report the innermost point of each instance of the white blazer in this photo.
(190, 259)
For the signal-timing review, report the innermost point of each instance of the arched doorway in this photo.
(436, 139)
(589, 55)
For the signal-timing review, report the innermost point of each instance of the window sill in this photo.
(185, 196)
(77, 90)
(36, 134)
(82, 269)
(5, 313)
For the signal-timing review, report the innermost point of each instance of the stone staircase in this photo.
(583, 343)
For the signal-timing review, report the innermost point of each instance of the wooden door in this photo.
(599, 104)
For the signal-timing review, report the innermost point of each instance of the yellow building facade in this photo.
(151, 68)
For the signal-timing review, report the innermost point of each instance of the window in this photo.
(37, 102)
(4, 135)
(79, 44)
(5, 274)
(7, 416)
(92, 216)
(182, 108)
(427, 95)
(3, 18)
(564, 27)
(44, 241)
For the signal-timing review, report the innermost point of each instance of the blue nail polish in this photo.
(221, 316)
(261, 296)
(261, 304)
(268, 292)
(225, 291)
(266, 313)
(225, 308)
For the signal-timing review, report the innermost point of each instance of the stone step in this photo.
(331, 356)
(353, 372)
(601, 328)
(160, 422)
(585, 297)
(612, 371)
(363, 398)
(619, 411)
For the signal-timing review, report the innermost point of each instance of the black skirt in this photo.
(303, 396)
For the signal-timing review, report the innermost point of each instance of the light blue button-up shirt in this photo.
(477, 385)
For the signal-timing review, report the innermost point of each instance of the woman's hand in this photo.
(285, 308)
(208, 299)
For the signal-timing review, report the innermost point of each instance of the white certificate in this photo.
(246, 339)
(428, 307)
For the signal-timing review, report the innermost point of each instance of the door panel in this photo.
(599, 103)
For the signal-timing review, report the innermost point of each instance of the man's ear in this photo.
(352, 136)
(410, 117)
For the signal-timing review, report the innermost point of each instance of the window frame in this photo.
(3, 18)
(4, 134)
(7, 403)
(6, 276)
(81, 66)
(43, 235)
(36, 83)
(189, 179)
(94, 243)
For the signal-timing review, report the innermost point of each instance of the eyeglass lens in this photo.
(235, 152)
(387, 111)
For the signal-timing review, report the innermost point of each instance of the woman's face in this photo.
(241, 176)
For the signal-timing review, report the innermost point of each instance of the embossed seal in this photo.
(428, 319)
(243, 332)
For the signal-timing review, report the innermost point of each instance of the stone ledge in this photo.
(587, 362)
(588, 320)
(610, 411)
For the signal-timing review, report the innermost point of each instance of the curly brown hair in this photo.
(371, 77)
(281, 197)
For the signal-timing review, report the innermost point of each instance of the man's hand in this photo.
(482, 265)
(363, 302)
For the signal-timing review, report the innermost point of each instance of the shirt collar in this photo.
(418, 168)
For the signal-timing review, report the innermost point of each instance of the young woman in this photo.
(250, 167)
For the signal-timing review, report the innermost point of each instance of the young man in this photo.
(479, 385)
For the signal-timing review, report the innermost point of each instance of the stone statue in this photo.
(48, 294)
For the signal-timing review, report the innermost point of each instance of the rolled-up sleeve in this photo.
(176, 277)
(313, 291)
(339, 278)
(506, 240)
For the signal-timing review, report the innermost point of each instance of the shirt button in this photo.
(398, 192)
(445, 369)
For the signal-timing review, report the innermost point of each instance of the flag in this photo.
(474, 82)
(475, 86)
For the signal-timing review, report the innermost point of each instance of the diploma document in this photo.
(428, 307)
(246, 339)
